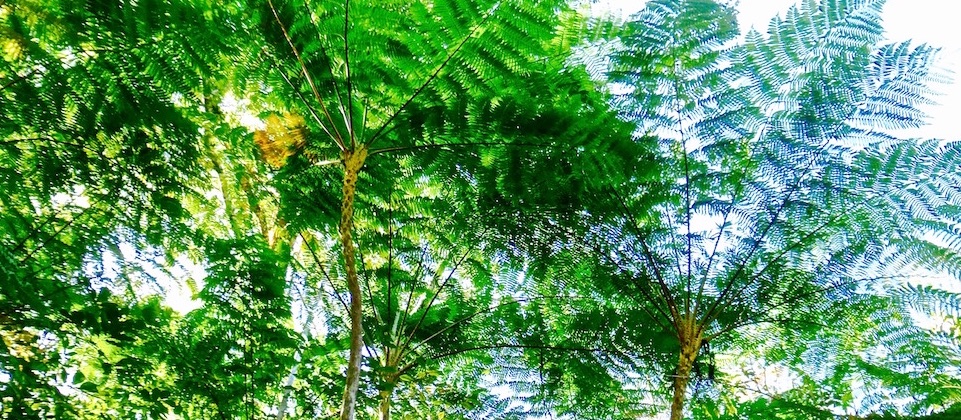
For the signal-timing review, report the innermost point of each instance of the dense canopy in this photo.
(472, 209)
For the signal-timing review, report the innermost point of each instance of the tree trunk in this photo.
(690, 338)
(385, 405)
(353, 162)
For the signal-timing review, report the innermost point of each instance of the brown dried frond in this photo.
(12, 45)
(282, 138)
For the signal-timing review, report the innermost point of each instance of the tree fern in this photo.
(775, 211)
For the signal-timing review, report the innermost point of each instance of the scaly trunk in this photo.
(390, 376)
(385, 405)
(690, 338)
(353, 162)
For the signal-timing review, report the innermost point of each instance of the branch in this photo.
(687, 172)
(366, 276)
(310, 109)
(336, 136)
(50, 218)
(55, 234)
(390, 250)
(324, 271)
(488, 309)
(430, 303)
(775, 397)
(665, 291)
(794, 188)
(17, 79)
(710, 259)
(334, 289)
(646, 294)
(417, 274)
(350, 88)
(716, 305)
(793, 300)
(446, 145)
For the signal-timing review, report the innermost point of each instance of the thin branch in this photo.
(794, 300)
(716, 305)
(515, 346)
(51, 140)
(665, 291)
(540, 375)
(366, 275)
(710, 259)
(687, 169)
(471, 316)
(55, 234)
(348, 121)
(410, 295)
(310, 80)
(363, 120)
(797, 183)
(677, 256)
(49, 219)
(648, 295)
(342, 302)
(350, 87)
(313, 113)
(433, 298)
(390, 250)
(17, 79)
(324, 271)
(757, 244)
(451, 145)
(806, 408)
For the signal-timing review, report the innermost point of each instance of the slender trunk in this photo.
(353, 162)
(385, 405)
(681, 379)
(690, 338)
(285, 397)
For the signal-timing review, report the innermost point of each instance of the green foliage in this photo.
(527, 245)
(94, 153)
(787, 183)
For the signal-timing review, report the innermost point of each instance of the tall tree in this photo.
(780, 206)
(366, 89)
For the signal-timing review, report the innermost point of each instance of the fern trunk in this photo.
(690, 339)
(385, 405)
(353, 162)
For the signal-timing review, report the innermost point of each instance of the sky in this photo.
(932, 22)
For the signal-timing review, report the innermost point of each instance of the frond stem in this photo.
(336, 136)
(324, 272)
(649, 256)
(350, 87)
(430, 303)
(430, 79)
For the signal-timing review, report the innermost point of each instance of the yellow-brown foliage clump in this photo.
(283, 137)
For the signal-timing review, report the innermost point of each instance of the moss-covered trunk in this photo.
(353, 162)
